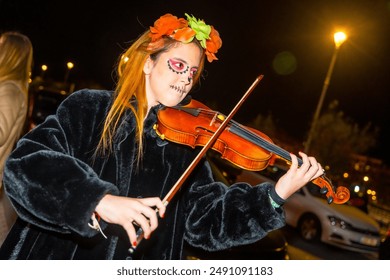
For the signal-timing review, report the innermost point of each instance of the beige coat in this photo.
(13, 111)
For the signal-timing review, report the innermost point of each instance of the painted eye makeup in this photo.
(193, 71)
(177, 66)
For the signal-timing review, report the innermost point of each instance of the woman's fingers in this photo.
(131, 233)
(294, 162)
(298, 176)
(155, 202)
(310, 167)
(132, 225)
(132, 213)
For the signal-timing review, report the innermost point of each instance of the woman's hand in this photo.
(127, 212)
(296, 177)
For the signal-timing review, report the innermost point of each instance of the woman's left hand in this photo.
(296, 177)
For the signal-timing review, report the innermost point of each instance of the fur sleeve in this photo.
(221, 217)
(48, 178)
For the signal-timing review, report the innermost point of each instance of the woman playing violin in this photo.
(87, 178)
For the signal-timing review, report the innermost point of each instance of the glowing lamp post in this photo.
(339, 39)
(69, 67)
(44, 69)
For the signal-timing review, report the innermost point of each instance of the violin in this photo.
(194, 124)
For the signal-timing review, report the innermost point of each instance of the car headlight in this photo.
(337, 222)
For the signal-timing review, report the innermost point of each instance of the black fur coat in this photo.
(55, 184)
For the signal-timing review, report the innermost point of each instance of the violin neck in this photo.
(261, 142)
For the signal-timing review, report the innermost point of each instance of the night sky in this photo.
(254, 34)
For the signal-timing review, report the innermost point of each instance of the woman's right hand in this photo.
(128, 212)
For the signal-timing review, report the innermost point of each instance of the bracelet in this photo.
(95, 223)
(273, 203)
(276, 200)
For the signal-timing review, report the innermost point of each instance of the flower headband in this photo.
(185, 30)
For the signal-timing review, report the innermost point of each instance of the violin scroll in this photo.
(340, 196)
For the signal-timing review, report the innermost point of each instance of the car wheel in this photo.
(309, 227)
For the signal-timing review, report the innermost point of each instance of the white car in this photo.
(307, 210)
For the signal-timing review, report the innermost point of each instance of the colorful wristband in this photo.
(275, 198)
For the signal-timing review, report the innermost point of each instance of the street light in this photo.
(44, 69)
(339, 39)
(69, 66)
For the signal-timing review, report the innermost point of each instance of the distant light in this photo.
(366, 179)
(345, 175)
(356, 189)
(70, 65)
(327, 167)
(125, 58)
(44, 67)
(284, 63)
(339, 38)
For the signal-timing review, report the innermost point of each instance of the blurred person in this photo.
(15, 66)
(85, 180)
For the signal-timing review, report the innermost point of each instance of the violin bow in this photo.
(200, 155)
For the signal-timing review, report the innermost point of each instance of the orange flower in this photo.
(184, 35)
(166, 25)
(213, 44)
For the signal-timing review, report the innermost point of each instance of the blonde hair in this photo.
(131, 84)
(16, 55)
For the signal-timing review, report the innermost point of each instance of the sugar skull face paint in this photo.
(181, 68)
(177, 66)
(169, 78)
